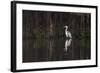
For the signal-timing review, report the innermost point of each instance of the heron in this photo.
(67, 33)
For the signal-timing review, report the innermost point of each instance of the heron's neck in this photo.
(66, 29)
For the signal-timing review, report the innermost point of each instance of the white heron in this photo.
(67, 33)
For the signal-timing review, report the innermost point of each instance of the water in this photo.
(54, 50)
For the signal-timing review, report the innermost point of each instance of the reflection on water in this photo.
(55, 50)
(67, 43)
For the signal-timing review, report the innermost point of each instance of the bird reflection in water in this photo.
(67, 44)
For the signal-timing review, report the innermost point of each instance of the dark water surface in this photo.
(55, 50)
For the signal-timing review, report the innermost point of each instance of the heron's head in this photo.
(66, 27)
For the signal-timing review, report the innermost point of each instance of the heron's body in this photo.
(68, 34)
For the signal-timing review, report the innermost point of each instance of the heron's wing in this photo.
(69, 34)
